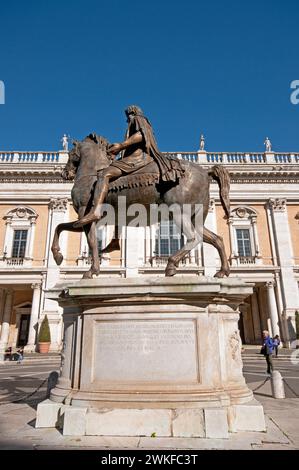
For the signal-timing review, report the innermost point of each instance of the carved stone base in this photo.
(153, 355)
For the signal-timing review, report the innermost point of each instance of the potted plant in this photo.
(44, 336)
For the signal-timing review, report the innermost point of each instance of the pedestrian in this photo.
(8, 354)
(267, 351)
(20, 354)
(276, 343)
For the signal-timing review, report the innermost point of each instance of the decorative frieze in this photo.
(59, 204)
(278, 205)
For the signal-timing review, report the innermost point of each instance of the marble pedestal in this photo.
(152, 356)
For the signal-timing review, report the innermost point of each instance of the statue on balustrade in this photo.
(65, 143)
(268, 144)
(142, 174)
(202, 143)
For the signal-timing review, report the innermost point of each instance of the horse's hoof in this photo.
(113, 246)
(170, 271)
(58, 257)
(222, 273)
(87, 275)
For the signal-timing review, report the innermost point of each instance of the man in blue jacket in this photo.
(268, 347)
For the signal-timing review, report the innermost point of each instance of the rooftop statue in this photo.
(65, 143)
(202, 142)
(143, 175)
(268, 144)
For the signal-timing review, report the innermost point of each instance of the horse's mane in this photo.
(97, 139)
(71, 167)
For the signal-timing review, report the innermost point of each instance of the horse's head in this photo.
(93, 147)
(69, 171)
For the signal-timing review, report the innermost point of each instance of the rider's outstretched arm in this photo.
(134, 139)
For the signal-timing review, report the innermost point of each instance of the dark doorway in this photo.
(24, 329)
(241, 328)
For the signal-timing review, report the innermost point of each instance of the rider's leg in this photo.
(102, 187)
(100, 194)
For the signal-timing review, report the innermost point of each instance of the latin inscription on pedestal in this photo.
(146, 351)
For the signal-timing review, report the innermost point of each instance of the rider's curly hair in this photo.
(133, 109)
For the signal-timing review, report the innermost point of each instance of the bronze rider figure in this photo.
(140, 148)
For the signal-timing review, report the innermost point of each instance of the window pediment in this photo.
(243, 212)
(21, 213)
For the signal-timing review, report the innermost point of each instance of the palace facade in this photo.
(261, 238)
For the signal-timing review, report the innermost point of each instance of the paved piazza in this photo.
(17, 413)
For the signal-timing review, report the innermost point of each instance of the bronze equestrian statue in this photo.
(142, 175)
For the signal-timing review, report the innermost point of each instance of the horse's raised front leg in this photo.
(90, 231)
(55, 248)
(217, 242)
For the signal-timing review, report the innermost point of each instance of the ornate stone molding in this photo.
(21, 212)
(51, 173)
(235, 345)
(36, 285)
(243, 212)
(59, 204)
(278, 204)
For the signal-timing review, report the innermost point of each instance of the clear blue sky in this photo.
(219, 67)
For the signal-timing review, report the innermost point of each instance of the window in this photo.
(19, 237)
(168, 239)
(19, 243)
(244, 237)
(243, 241)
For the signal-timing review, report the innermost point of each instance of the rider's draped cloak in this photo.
(170, 169)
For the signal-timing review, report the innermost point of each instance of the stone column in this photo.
(5, 323)
(233, 243)
(58, 213)
(271, 234)
(2, 292)
(256, 318)
(211, 259)
(255, 238)
(285, 255)
(283, 324)
(8, 236)
(260, 295)
(30, 243)
(30, 346)
(272, 308)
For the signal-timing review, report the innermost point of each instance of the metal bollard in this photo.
(277, 385)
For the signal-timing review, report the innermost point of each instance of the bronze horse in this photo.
(91, 155)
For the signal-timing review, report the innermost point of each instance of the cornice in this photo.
(249, 174)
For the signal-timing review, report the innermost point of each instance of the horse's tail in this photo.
(221, 175)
